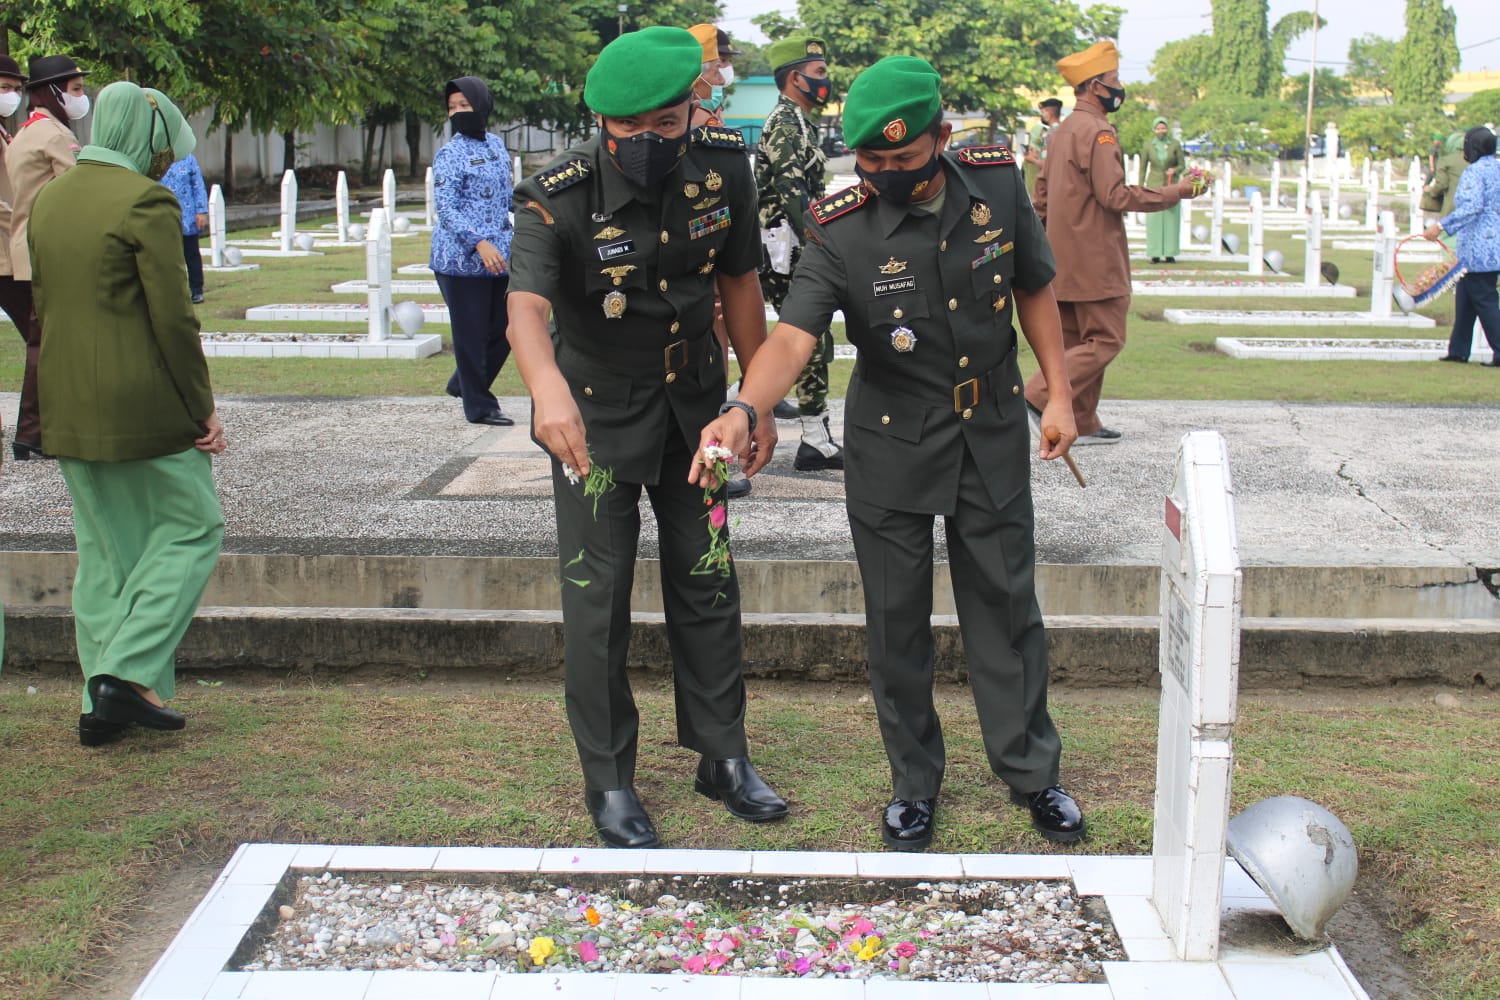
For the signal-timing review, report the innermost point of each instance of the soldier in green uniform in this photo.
(624, 239)
(789, 167)
(932, 258)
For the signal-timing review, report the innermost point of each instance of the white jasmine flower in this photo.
(572, 474)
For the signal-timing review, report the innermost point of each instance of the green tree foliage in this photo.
(1242, 62)
(1480, 109)
(1234, 125)
(1287, 30)
(1427, 54)
(1372, 62)
(1391, 130)
(1332, 91)
(1180, 72)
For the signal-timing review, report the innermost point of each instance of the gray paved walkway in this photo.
(1315, 485)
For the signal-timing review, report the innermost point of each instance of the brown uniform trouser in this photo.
(15, 302)
(1093, 333)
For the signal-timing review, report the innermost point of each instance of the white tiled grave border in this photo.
(1249, 289)
(1295, 349)
(1272, 318)
(312, 345)
(194, 965)
(332, 312)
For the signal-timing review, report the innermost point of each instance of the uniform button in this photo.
(674, 327)
(1015, 390)
(662, 284)
(968, 413)
(963, 362)
(712, 252)
(664, 236)
(588, 390)
(671, 377)
(885, 418)
(943, 245)
(999, 279)
(897, 313)
(952, 304)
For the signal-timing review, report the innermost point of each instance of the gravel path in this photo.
(1001, 932)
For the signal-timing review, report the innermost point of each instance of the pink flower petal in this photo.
(587, 951)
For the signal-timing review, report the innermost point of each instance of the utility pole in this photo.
(621, 9)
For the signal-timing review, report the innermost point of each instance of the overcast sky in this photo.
(1150, 23)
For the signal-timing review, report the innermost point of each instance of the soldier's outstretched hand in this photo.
(729, 430)
(559, 427)
(1058, 430)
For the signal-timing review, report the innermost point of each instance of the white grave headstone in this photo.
(1312, 275)
(1201, 587)
(1185, 232)
(1331, 150)
(1372, 202)
(1414, 173)
(216, 226)
(429, 215)
(288, 210)
(515, 169)
(1347, 168)
(1302, 188)
(378, 275)
(1364, 171)
(1333, 198)
(341, 206)
(1383, 267)
(1226, 170)
(1386, 182)
(1216, 226)
(1414, 211)
(1257, 234)
(1275, 184)
(388, 195)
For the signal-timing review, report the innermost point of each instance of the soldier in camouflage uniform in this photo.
(789, 173)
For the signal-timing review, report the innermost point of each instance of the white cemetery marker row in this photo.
(378, 275)
(288, 210)
(1313, 274)
(341, 206)
(216, 226)
(1257, 234)
(1201, 587)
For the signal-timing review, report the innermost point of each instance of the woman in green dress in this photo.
(1165, 164)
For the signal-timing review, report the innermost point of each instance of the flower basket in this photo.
(1434, 280)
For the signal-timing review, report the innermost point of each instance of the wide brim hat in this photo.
(9, 67)
(1096, 60)
(50, 69)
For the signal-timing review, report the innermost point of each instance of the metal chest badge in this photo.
(903, 339)
(712, 181)
(614, 305)
(979, 214)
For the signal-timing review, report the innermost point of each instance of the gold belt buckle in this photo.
(972, 387)
(675, 355)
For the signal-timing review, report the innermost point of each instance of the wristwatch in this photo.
(740, 404)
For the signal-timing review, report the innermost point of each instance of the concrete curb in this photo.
(1085, 650)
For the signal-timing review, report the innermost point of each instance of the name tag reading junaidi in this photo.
(610, 251)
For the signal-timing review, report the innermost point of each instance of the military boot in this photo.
(817, 450)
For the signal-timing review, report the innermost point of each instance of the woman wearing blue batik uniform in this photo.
(185, 180)
(471, 247)
(1476, 220)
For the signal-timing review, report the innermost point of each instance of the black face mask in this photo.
(645, 158)
(817, 91)
(901, 186)
(1116, 99)
(467, 123)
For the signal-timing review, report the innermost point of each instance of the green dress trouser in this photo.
(1164, 232)
(992, 559)
(597, 554)
(148, 536)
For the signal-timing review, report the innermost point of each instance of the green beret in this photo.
(891, 102)
(796, 50)
(642, 71)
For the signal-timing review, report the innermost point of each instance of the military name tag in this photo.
(893, 285)
(612, 250)
(903, 339)
(710, 223)
(614, 305)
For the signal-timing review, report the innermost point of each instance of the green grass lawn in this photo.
(1160, 361)
(488, 762)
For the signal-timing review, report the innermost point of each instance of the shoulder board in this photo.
(719, 136)
(564, 175)
(986, 156)
(839, 203)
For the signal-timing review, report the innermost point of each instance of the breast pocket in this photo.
(991, 275)
(897, 322)
(618, 274)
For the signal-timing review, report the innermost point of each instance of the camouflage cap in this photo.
(642, 71)
(891, 102)
(796, 50)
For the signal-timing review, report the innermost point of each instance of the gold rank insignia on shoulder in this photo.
(609, 233)
(710, 202)
(618, 272)
(979, 214)
(839, 203)
(713, 181)
(690, 190)
(986, 156)
(989, 234)
(893, 266)
(903, 339)
(564, 176)
(719, 136)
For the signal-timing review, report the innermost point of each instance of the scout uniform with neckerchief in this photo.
(935, 425)
(630, 276)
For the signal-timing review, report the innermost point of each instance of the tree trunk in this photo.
(369, 152)
(289, 150)
(228, 164)
(385, 132)
(414, 144)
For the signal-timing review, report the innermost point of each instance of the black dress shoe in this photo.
(95, 732)
(621, 819)
(496, 419)
(1054, 814)
(1449, 357)
(1171, 260)
(736, 783)
(24, 450)
(907, 826)
(786, 410)
(116, 701)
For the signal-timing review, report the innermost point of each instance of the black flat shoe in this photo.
(744, 793)
(23, 451)
(1054, 814)
(621, 819)
(785, 410)
(496, 419)
(116, 701)
(1449, 357)
(908, 826)
(1171, 260)
(96, 732)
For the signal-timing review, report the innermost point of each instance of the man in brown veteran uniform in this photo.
(1082, 198)
(932, 259)
(624, 239)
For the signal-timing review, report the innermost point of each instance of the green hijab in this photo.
(133, 126)
(1454, 143)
